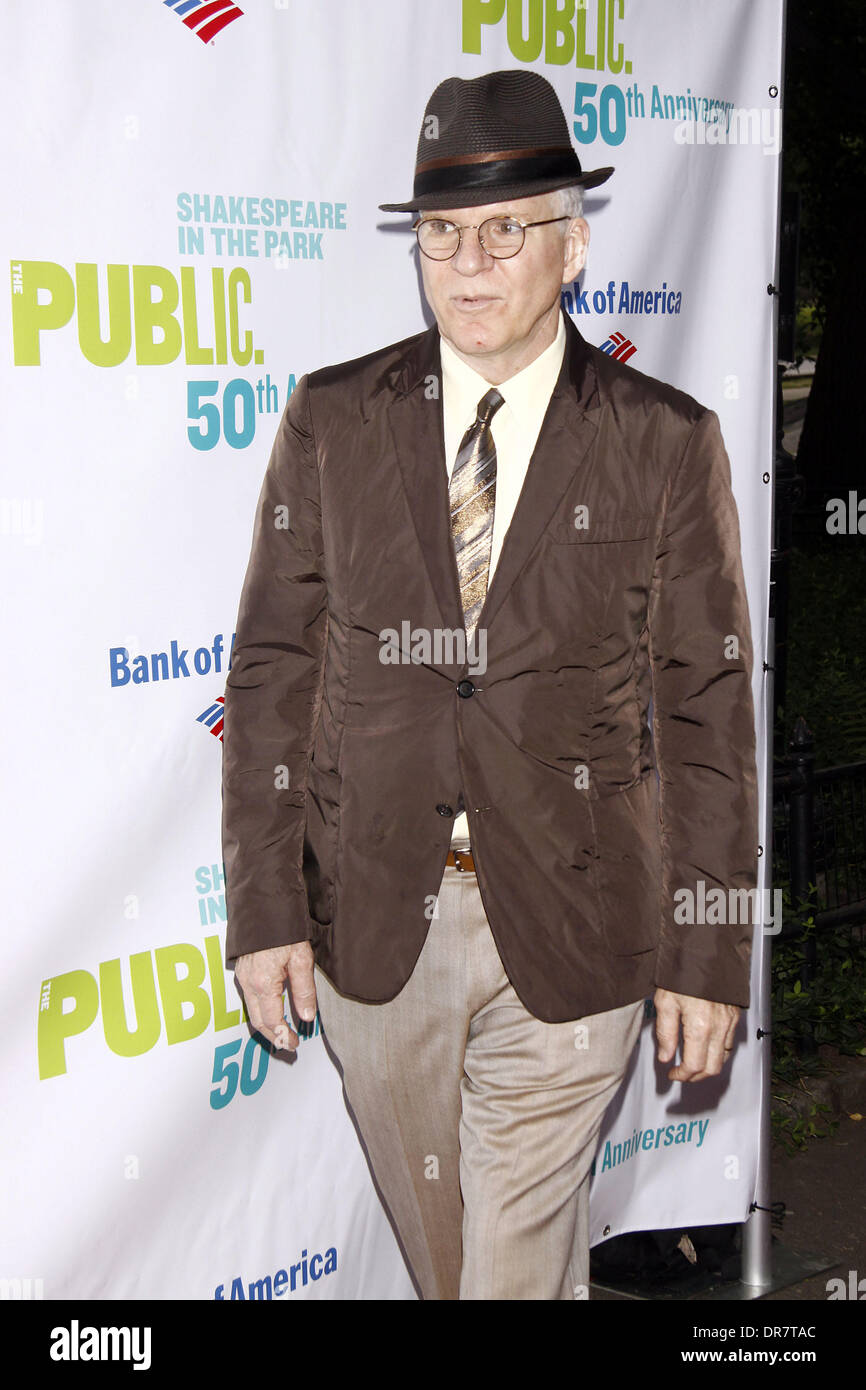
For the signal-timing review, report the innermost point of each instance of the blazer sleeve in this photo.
(704, 734)
(272, 697)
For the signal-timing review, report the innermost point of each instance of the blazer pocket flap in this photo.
(583, 529)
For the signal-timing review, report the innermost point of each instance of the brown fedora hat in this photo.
(491, 138)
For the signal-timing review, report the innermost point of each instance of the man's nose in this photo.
(471, 256)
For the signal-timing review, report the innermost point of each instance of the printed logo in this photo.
(619, 298)
(284, 1281)
(212, 717)
(618, 346)
(172, 664)
(205, 17)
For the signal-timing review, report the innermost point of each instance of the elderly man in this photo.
(484, 720)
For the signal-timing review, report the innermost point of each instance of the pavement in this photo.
(824, 1185)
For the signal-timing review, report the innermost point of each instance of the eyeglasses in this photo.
(500, 237)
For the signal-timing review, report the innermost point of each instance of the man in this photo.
(480, 555)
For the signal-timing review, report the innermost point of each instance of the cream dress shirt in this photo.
(515, 427)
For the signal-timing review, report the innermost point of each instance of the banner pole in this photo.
(757, 1261)
(757, 1265)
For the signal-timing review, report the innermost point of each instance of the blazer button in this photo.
(465, 689)
(444, 810)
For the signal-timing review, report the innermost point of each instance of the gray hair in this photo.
(568, 202)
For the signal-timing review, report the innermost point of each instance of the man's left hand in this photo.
(708, 1034)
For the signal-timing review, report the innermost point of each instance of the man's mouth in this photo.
(473, 301)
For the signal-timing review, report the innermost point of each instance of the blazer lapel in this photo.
(415, 418)
(567, 432)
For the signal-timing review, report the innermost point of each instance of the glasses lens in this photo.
(501, 236)
(437, 238)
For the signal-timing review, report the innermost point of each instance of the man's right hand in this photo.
(261, 976)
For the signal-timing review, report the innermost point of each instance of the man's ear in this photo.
(574, 249)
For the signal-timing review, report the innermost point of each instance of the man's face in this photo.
(499, 315)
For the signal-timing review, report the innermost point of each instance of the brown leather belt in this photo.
(461, 859)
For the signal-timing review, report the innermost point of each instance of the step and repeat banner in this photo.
(190, 223)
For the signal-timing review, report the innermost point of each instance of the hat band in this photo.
(524, 169)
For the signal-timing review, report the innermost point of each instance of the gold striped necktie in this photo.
(472, 496)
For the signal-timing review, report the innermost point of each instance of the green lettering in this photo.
(55, 1026)
(176, 992)
(615, 53)
(195, 355)
(97, 350)
(114, 1020)
(558, 31)
(529, 48)
(29, 317)
(582, 58)
(221, 1016)
(219, 313)
(476, 13)
(151, 315)
(599, 36)
(239, 278)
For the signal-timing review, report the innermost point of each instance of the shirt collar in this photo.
(522, 392)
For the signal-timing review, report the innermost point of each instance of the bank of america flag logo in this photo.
(212, 717)
(618, 346)
(205, 17)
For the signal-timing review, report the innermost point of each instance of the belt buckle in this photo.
(458, 855)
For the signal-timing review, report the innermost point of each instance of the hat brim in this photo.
(479, 197)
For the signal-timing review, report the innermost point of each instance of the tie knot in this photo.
(488, 406)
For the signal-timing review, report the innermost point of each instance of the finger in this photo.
(694, 1057)
(263, 997)
(704, 1052)
(667, 1032)
(272, 1016)
(251, 1003)
(302, 986)
(732, 1029)
(285, 1037)
(715, 1056)
(285, 1040)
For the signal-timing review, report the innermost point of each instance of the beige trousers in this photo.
(479, 1121)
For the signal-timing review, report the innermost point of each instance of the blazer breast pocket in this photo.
(622, 528)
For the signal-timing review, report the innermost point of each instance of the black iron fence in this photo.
(819, 837)
(819, 855)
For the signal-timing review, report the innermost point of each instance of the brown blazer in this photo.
(586, 626)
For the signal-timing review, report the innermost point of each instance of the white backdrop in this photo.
(191, 222)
